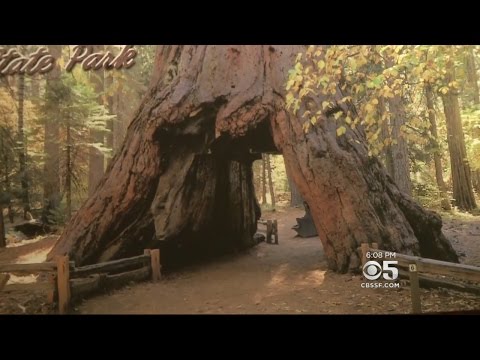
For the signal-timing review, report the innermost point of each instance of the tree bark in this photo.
(183, 180)
(399, 150)
(385, 133)
(22, 151)
(461, 175)
(398, 162)
(96, 158)
(270, 181)
(295, 196)
(3, 240)
(437, 157)
(51, 169)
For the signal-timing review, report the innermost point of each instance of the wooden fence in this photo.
(272, 229)
(68, 283)
(410, 267)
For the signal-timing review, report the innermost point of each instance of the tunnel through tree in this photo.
(183, 177)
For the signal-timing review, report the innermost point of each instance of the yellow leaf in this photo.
(321, 64)
(313, 120)
(306, 127)
(325, 104)
(348, 120)
(375, 101)
(337, 114)
(341, 130)
(369, 108)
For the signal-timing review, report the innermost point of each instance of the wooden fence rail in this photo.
(111, 266)
(67, 282)
(414, 265)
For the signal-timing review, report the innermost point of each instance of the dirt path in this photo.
(288, 278)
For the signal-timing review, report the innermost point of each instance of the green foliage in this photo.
(424, 186)
(72, 103)
(325, 79)
(74, 106)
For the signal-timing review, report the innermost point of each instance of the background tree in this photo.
(264, 179)
(22, 156)
(55, 124)
(400, 170)
(268, 165)
(473, 93)
(51, 184)
(461, 175)
(430, 100)
(295, 196)
(96, 162)
(3, 241)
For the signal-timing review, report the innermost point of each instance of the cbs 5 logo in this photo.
(372, 270)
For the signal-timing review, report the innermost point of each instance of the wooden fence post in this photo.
(364, 253)
(52, 294)
(269, 231)
(155, 261)
(415, 289)
(3, 280)
(63, 283)
(275, 231)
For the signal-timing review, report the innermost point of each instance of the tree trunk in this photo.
(461, 176)
(257, 178)
(270, 181)
(3, 240)
(51, 169)
(295, 196)
(385, 133)
(119, 127)
(110, 123)
(183, 180)
(476, 173)
(264, 179)
(6, 169)
(472, 78)
(437, 157)
(22, 151)
(398, 162)
(96, 158)
(68, 170)
(399, 150)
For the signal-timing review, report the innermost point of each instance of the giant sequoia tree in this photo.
(183, 177)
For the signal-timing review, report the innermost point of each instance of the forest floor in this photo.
(289, 278)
